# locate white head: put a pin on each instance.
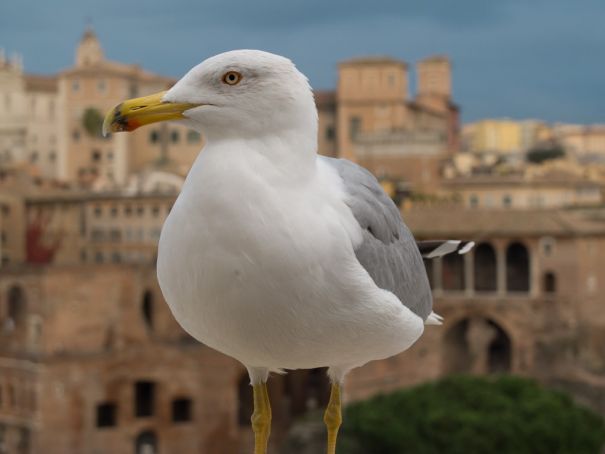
(242, 93)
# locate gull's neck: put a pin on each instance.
(288, 155)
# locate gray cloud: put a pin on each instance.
(518, 58)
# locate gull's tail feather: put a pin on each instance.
(434, 319)
(438, 248)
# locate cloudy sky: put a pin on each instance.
(512, 58)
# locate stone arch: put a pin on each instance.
(146, 443)
(485, 268)
(452, 272)
(147, 309)
(517, 268)
(549, 282)
(477, 345)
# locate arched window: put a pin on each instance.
(453, 272)
(16, 304)
(550, 282)
(485, 268)
(147, 308)
(144, 398)
(146, 443)
(517, 268)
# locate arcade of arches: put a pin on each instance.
(487, 269)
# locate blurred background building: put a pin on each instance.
(91, 360)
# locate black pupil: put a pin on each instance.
(231, 77)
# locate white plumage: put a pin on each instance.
(271, 254)
(256, 258)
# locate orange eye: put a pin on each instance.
(232, 78)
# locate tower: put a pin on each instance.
(371, 94)
(89, 50)
(434, 76)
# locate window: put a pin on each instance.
(140, 210)
(193, 137)
(95, 156)
(550, 282)
(144, 399)
(52, 156)
(98, 211)
(133, 91)
(101, 86)
(354, 126)
(473, 201)
(507, 201)
(453, 272)
(114, 211)
(99, 257)
(517, 268)
(128, 210)
(16, 304)
(174, 136)
(115, 235)
(330, 133)
(116, 257)
(485, 268)
(155, 211)
(34, 156)
(75, 86)
(181, 410)
(110, 155)
(147, 308)
(75, 135)
(97, 235)
(547, 245)
(154, 136)
(106, 415)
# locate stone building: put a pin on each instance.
(52, 123)
(371, 118)
(92, 361)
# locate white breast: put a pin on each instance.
(265, 272)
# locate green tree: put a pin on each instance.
(539, 155)
(472, 415)
(92, 120)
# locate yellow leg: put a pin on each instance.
(333, 417)
(261, 418)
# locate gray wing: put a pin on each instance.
(388, 251)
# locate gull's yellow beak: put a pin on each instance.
(133, 113)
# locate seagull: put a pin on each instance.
(272, 254)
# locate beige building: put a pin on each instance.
(52, 123)
(373, 120)
(504, 136)
(581, 140)
(92, 361)
(521, 192)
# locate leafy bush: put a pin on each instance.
(539, 155)
(92, 120)
(472, 415)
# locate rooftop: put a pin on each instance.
(476, 224)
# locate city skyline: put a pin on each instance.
(510, 60)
